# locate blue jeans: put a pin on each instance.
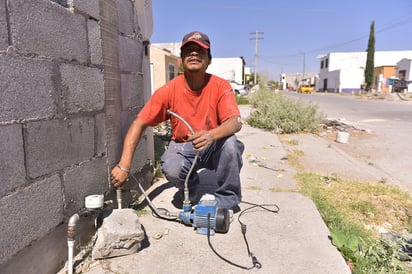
(222, 157)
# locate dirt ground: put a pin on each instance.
(329, 131)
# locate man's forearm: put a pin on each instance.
(227, 128)
(131, 141)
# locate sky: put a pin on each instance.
(292, 34)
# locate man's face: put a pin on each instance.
(195, 58)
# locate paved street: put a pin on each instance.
(389, 123)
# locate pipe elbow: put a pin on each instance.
(74, 219)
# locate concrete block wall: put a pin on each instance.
(72, 78)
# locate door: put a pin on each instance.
(325, 85)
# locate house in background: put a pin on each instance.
(173, 47)
(164, 66)
(344, 71)
(404, 73)
(231, 69)
(382, 76)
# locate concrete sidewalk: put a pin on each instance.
(294, 240)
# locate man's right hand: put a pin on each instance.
(119, 176)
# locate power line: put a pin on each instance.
(383, 29)
(388, 27)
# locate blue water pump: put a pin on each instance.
(206, 216)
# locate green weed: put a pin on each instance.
(277, 112)
(352, 210)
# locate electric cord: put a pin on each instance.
(255, 262)
(257, 265)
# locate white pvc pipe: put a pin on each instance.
(119, 197)
(70, 245)
(71, 228)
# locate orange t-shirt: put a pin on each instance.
(203, 110)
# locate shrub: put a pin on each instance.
(242, 100)
(275, 111)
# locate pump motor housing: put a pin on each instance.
(206, 215)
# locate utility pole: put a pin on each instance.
(304, 66)
(256, 38)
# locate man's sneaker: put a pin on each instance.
(231, 217)
(208, 197)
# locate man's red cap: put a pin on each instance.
(196, 37)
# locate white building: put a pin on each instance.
(232, 69)
(173, 47)
(344, 71)
(404, 72)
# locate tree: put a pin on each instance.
(370, 59)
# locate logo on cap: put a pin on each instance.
(197, 37)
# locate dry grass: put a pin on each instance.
(293, 159)
(377, 207)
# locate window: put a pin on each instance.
(326, 63)
(171, 72)
(321, 64)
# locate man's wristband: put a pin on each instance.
(123, 169)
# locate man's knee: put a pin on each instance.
(172, 170)
(232, 145)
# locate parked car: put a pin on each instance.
(239, 89)
(305, 88)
